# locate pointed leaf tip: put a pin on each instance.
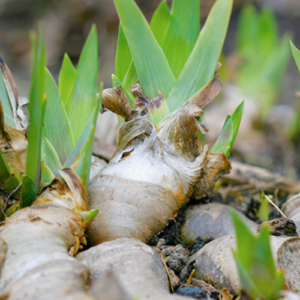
(88, 216)
(82, 100)
(67, 77)
(296, 55)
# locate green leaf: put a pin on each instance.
(12, 182)
(263, 210)
(268, 32)
(263, 270)
(248, 29)
(36, 108)
(4, 97)
(82, 163)
(201, 65)
(246, 241)
(4, 168)
(82, 159)
(82, 100)
(246, 281)
(265, 57)
(229, 131)
(12, 209)
(29, 191)
(159, 113)
(152, 67)
(67, 77)
(296, 55)
(50, 157)
(262, 79)
(10, 179)
(182, 32)
(236, 121)
(125, 69)
(257, 33)
(278, 283)
(123, 55)
(222, 143)
(46, 174)
(160, 21)
(81, 141)
(87, 216)
(129, 79)
(57, 125)
(258, 276)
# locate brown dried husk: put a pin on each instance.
(215, 262)
(41, 242)
(154, 170)
(13, 141)
(13, 144)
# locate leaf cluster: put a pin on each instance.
(61, 119)
(71, 113)
(258, 276)
(170, 55)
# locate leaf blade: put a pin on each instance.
(221, 144)
(36, 109)
(7, 97)
(160, 21)
(296, 55)
(67, 77)
(229, 131)
(82, 100)
(57, 125)
(80, 158)
(29, 191)
(50, 157)
(182, 33)
(123, 55)
(154, 72)
(203, 60)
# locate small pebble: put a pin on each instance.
(194, 292)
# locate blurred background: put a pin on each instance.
(272, 143)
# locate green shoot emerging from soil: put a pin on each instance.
(172, 56)
(259, 278)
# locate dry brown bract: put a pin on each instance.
(154, 170)
(13, 145)
(13, 142)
